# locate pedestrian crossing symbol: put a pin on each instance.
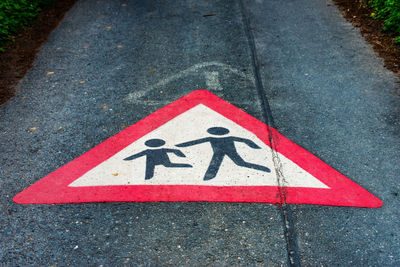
(198, 148)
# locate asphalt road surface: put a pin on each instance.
(296, 65)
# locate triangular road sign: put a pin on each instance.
(199, 148)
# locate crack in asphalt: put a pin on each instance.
(285, 211)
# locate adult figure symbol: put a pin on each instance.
(158, 156)
(224, 146)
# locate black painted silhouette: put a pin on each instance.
(159, 156)
(224, 146)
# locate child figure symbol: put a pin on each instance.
(224, 146)
(158, 156)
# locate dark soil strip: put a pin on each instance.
(285, 211)
(17, 59)
(383, 42)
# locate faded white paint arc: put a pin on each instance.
(193, 125)
(193, 69)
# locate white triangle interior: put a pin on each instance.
(193, 125)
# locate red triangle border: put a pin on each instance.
(54, 187)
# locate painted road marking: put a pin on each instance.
(199, 148)
(212, 78)
(193, 125)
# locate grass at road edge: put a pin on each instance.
(389, 12)
(15, 14)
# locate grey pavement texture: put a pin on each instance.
(115, 64)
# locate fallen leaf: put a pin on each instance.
(115, 174)
(59, 128)
(82, 82)
(152, 70)
(108, 27)
(32, 129)
(50, 73)
(105, 107)
(123, 126)
(124, 4)
(119, 46)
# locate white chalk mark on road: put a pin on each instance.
(212, 80)
(194, 69)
